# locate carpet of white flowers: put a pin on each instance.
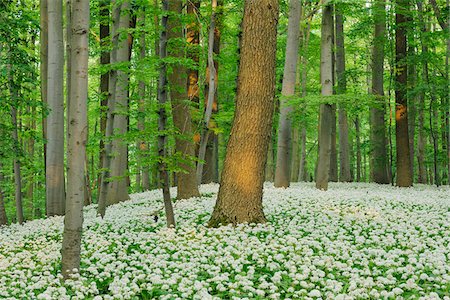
(355, 241)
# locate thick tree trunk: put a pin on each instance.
(186, 179)
(55, 191)
(162, 99)
(326, 111)
(118, 185)
(404, 172)
(344, 155)
(77, 139)
(283, 165)
(240, 193)
(377, 113)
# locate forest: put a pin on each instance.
(242, 149)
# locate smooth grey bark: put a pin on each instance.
(118, 185)
(77, 139)
(377, 114)
(283, 164)
(326, 73)
(162, 99)
(43, 66)
(344, 155)
(55, 183)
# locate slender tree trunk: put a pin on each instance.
(358, 149)
(118, 185)
(55, 120)
(422, 175)
(377, 113)
(43, 42)
(31, 152)
(162, 99)
(77, 139)
(344, 156)
(326, 111)
(186, 179)
(104, 20)
(404, 172)
(283, 166)
(3, 217)
(295, 164)
(269, 169)
(240, 193)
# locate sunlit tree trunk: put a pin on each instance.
(77, 139)
(326, 111)
(344, 156)
(240, 193)
(377, 113)
(283, 165)
(55, 120)
(404, 172)
(118, 185)
(186, 179)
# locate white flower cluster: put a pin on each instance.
(355, 241)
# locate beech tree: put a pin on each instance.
(283, 165)
(76, 138)
(241, 187)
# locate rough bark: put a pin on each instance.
(404, 172)
(162, 99)
(55, 191)
(326, 111)
(344, 155)
(240, 193)
(186, 179)
(77, 139)
(283, 165)
(118, 185)
(377, 113)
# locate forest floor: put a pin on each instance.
(355, 241)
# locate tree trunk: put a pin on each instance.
(326, 111)
(404, 172)
(295, 164)
(240, 193)
(302, 174)
(118, 185)
(358, 150)
(104, 20)
(43, 42)
(77, 139)
(283, 165)
(377, 113)
(55, 119)
(270, 163)
(3, 217)
(186, 180)
(344, 156)
(421, 143)
(162, 99)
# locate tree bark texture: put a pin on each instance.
(404, 172)
(43, 73)
(186, 179)
(240, 193)
(55, 183)
(77, 139)
(283, 165)
(326, 111)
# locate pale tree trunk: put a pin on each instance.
(186, 179)
(118, 185)
(358, 149)
(283, 165)
(3, 217)
(333, 176)
(211, 167)
(344, 155)
(404, 172)
(302, 167)
(240, 193)
(104, 82)
(55, 191)
(43, 73)
(377, 114)
(205, 132)
(326, 111)
(295, 164)
(112, 82)
(77, 139)
(142, 175)
(162, 99)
